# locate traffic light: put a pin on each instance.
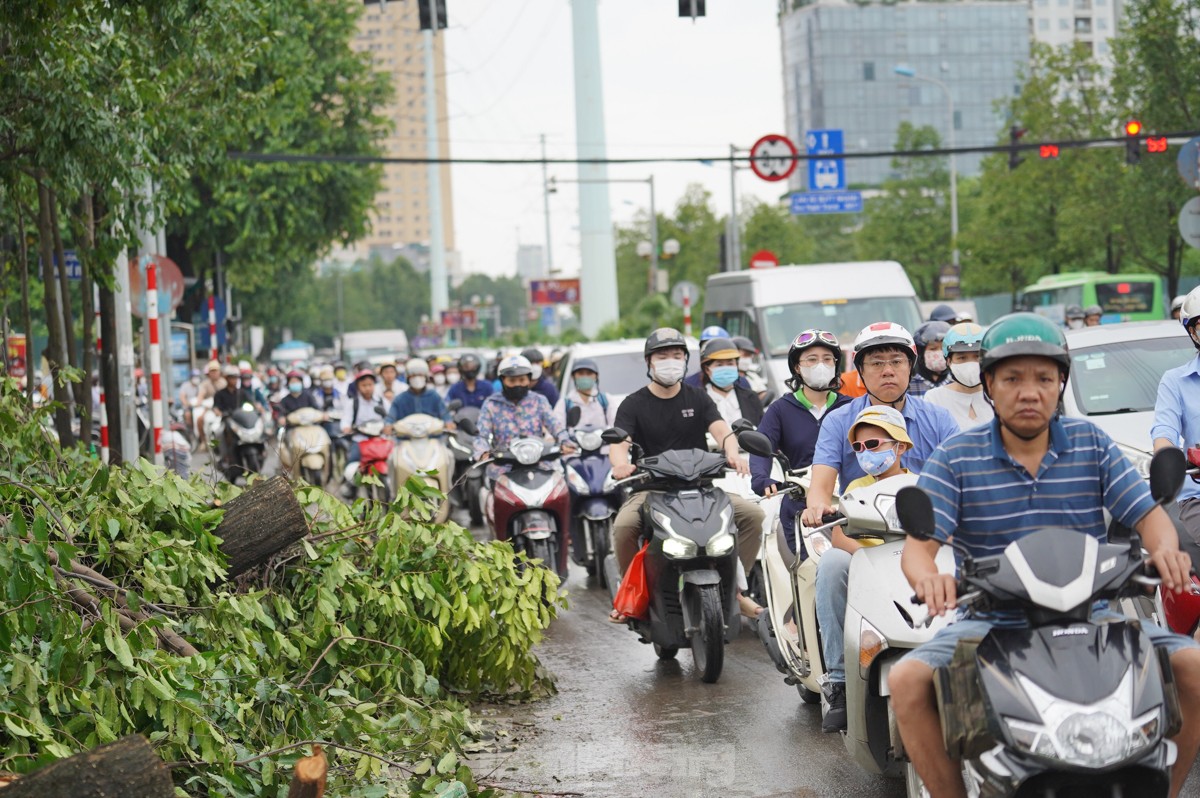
(1014, 139)
(1048, 151)
(1156, 144)
(1133, 147)
(429, 11)
(691, 8)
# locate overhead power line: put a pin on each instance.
(1096, 143)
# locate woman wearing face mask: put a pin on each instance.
(440, 385)
(793, 422)
(963, 395)
(719, 372)
(296, 396)
(931, 363)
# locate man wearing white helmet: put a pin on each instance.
(885, 355)
(420, 397)
(515, 412)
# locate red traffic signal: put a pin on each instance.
(1048, 151)
(1156, 144)
(1133, 127)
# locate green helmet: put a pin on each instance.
(1024, 334)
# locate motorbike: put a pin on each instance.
(250, 440)
(1063, 705)
(420, 452)
(528, 505)
(374, 453)
(692, 558)
(595, 499)
(305, 446)
(789, 585)
(468, 481)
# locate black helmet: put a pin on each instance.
(665, 338)
(743, 343)
(807, 340)
(718, 349)
(585, 364)
(1024, 334)
(468, 364)
(1074, 312)
(931, 332)
(533, 355)
(943, 313)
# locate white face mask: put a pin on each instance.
(935, 361)
(439, 379)
(817, 377)
(1075, 324)
(966, 374)
(416, 382)
(746, 364)
(668, 372)
(537, 373)
(452, 377)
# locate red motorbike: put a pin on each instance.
(529, 506)
(373, 461)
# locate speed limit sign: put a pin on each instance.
(773, 157)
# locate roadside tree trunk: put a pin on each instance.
(260, 523)
(55, 351)
(128, 768)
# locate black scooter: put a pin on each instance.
(468, 480)
(691, 562)
(1064, 706)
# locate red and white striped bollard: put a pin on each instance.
(687, 312)
(103, 419)
(156, 407)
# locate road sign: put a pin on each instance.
(773, 157)
(460, 317)
(691, 288)
(1189, 222)
(764, 259)
(806, 202)
(1188, 163)
(74, 268)
(170, 285)
(553, 292)
(825, 174)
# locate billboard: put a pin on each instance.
(554, 292)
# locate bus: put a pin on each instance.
(1121, 297)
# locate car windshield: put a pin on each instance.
(622, 373)
(842, 317)
(1122, 377)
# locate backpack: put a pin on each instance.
(601, 397)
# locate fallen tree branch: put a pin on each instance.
(337, 640)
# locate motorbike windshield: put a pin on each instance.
(685, 465)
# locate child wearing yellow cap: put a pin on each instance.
(879, 436)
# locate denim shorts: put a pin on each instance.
(938, 652)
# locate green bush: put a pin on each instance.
(371, 636)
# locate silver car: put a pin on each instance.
(1115, 371)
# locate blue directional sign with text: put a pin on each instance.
(825, 174)
(806, 202)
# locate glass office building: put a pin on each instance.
(838, 61)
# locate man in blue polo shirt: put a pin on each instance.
(1177, 420)
(1028, 469)
(885, 355)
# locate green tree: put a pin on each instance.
(507, 292)
(774, 228)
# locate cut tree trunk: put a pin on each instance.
(128, 768)
(308, 778)
(260, 523)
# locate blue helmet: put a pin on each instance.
(713, 331)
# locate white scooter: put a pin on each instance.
(305, 447)
(420, 451)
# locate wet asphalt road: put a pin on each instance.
(623, 723)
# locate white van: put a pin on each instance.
(367, 344)
(772, 306)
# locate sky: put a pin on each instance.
(671, 87)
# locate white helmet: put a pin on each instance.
(514, 366)
(1177, 303)
(884, 333)
(416, 366)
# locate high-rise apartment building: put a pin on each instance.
(400, 220)
(1088, 22)
(838, 62)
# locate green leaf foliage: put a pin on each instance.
(377, 642)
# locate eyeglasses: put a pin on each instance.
(870, 445)
(880, 365)
(814, 360)
(809, 336)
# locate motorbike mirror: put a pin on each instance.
(379, 411)
(573, 415)
(742, 425)
(614, 435)
(468, 426)
(1168, 468)
(755, 442)
(914, 508)
(454, 405)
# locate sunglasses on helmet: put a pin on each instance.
(870, 445)
(819, 336)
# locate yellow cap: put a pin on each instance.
(885, 417)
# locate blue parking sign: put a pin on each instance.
(825, 174)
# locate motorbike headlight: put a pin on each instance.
(578, 483)
(1094, 739)
(590, 441)
(675, 545)
(871, 643)
(527, 451)
(721, 543)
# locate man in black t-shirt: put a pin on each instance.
(668, 415)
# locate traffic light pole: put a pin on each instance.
(439, 291)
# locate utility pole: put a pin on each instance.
(652, 280)
(598, 303)
(734, 253)
(546, 207)
(125, 382)
(439, 292)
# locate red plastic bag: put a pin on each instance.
(633, 596)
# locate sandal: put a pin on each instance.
(749, 607)
(616, 617)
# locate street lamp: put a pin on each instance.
(909, 72)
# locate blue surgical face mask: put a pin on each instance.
(724, 376)
(585, 384)
(876, 463)
(295, 387)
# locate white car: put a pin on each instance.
(1115, 371)
(622, 365)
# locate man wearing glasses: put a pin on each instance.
(884, 354)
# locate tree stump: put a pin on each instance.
(260, 523)
(308, 777)
(129, 768)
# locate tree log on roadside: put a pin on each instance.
(259, 523)
(308, 778)
(128, 768)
